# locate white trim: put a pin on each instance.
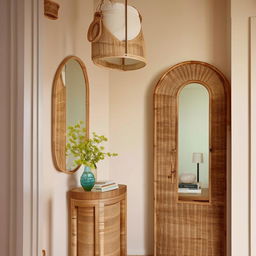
(253, 136)
(31, 184)
(35, 127)
(40, 9)
(24, 185)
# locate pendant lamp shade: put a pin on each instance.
(116, 37)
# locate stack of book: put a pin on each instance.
(103, 186)
(190, 188)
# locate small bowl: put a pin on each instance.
(187, 178)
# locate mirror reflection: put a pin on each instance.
(74, 82)
(193, 139)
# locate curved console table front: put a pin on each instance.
(98, 222)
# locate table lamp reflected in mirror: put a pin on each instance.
(197, 158)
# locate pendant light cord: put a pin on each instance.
(101, 3)
(126, 27)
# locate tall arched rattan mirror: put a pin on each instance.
(191, 223)
(70, 105)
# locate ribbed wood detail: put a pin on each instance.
(59, 121)
(98, 222)
(189, 228)
(85, 231)
(112, 230)
(108, 46)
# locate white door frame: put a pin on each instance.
(24, 104)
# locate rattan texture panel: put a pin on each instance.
(189, 228)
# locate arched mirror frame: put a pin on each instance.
(175, 214)
(58, 104)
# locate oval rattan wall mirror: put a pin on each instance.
(190, 223)
(70, 105)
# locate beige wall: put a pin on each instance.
(121, 105)
(240, 13)
(60, 38)
(253, 135)
(175, 31)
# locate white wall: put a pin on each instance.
(240, 56)
(60, 38)
(175, 31)
(193, 131)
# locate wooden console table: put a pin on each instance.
(98, 222)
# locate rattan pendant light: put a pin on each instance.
(109, 49)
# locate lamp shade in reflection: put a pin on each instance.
(197, 158)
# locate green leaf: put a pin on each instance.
(86, 151)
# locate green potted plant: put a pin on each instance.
(86, 151)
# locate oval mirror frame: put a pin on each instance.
(58, 115)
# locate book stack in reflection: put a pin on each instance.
(190, 188)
